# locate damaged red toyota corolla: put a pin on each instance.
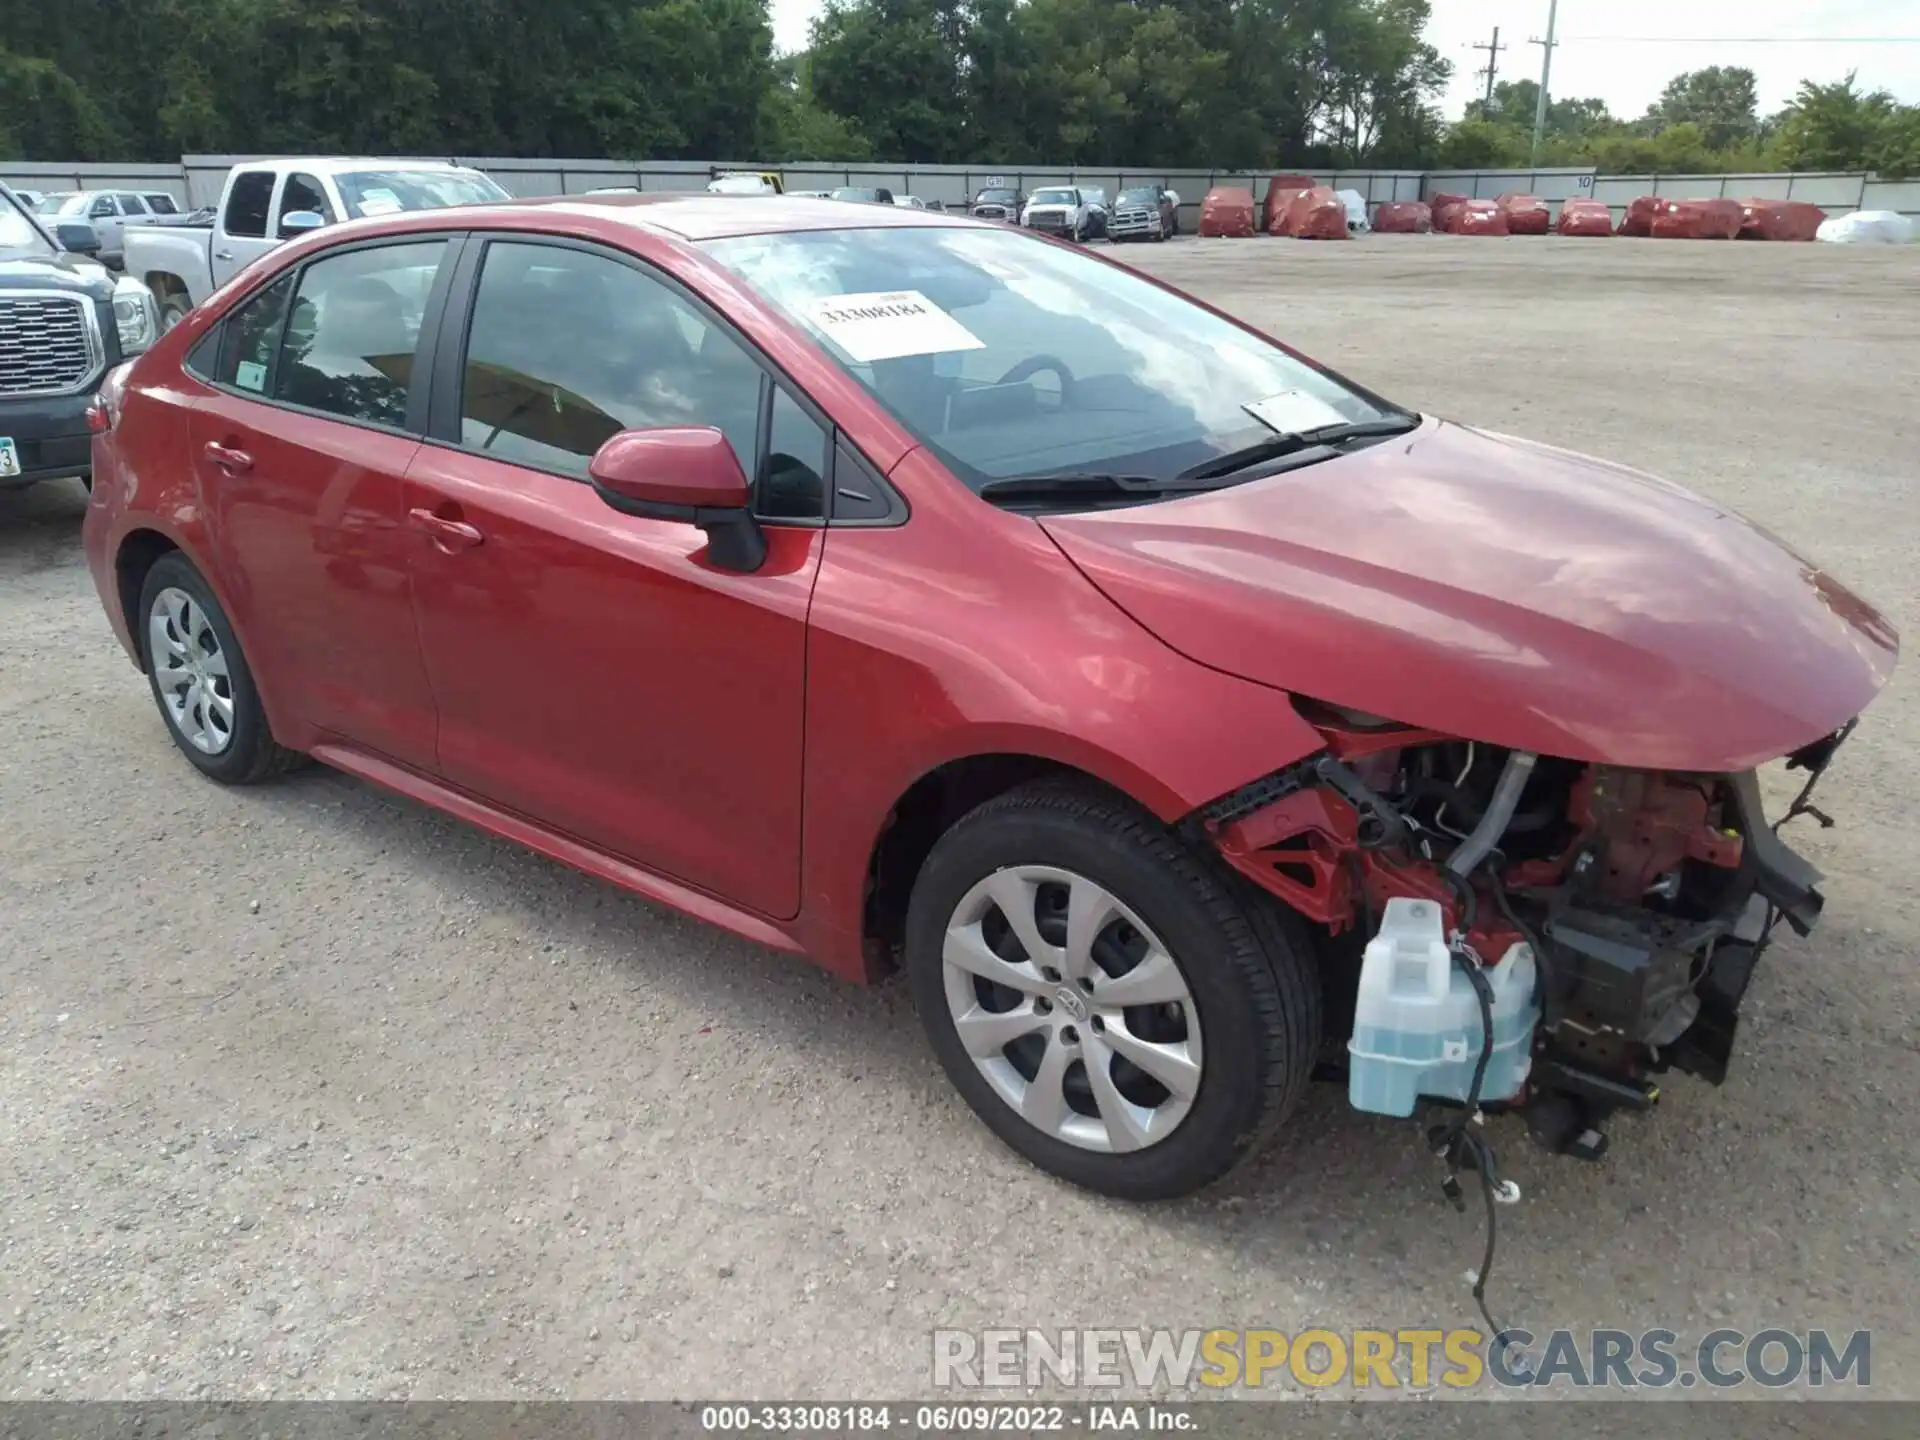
(894, 588)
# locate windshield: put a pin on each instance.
(1008, 356)
(1054, 197)
(17, 232)
(996, 197)
(388, 192)
(1139, 197)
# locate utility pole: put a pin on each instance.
(1492, 66)
(1546, 75)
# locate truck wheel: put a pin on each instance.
(173, 309)
(1107, 1001)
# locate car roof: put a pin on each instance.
(699, 216)
(334, 164)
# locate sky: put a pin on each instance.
(1629, 75)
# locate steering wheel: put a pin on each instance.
(1034, 365)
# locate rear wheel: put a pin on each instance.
(200, 678)
(173, 306)
(1108, 1002)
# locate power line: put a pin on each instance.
(1739, 40)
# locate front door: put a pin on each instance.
(593, 670)
(302, 448)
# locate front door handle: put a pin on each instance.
(228, 458)
(223, 254)
(449, 535)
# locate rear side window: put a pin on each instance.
(247, 203)
(354, 329)
(249, 351)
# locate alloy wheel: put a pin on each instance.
(1072, 1009)
(190, 671)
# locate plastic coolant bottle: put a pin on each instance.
(1417, 1024)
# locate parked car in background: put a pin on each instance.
(909, 202)
(1098, 211)
(833, 576)
(110, 212)
(811, 194)
(997, 202)
(65, 321)
(1062, 210)
(613, 190)
(266, 202)
(1143, 212)
(741, 183)
(863, 194)
(30, 198)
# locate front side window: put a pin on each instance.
(303, 192)
(131, 205)
(102, 208)
(162, 205)
(250, 347)
(353, 330)
(388, 192)
(247, 202)
(568, 348)
(1010, 357)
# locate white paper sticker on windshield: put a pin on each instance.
(250, 375)
(1292, 411)
(380, 202)
(889, 324)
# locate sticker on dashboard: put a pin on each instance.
(889, 325)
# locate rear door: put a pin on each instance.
(242, 235)
(301, 450)
(593, 670)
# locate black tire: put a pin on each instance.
(1247, 964)
(251, 753)
(173, 306)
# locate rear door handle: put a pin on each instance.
(227, 458)
(447, 534)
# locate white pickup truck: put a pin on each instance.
(265, 202)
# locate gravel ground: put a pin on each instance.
(307, 1091)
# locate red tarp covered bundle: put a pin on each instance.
(1442, 203)
(1585, 217)
(1317, 214)
(1403, 217)
(1227, 210)
(1279, 197)
(1779, 219)
(1697, 220)
(1640, 213)
(1526, 214)
(1476, 217)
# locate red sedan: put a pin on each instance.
(898, 589)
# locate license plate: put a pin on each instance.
(9, 456)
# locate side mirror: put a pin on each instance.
(78, 237)
(687, 473)
(299, 222)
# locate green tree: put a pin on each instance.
(1721, 100)
(1832, 127)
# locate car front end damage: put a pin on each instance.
(1646, 898)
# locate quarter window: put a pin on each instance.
(247, 203)
(568, 348)
(791, 486)
(353, 330)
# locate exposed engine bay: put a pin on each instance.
(1645, 898)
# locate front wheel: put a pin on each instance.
(173, 307)
(1105, 999)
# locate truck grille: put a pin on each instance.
(47, 344)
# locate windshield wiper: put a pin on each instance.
(1278, 446)
(1082, 482)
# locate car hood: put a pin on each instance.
(25, 270)
(1502, 591)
